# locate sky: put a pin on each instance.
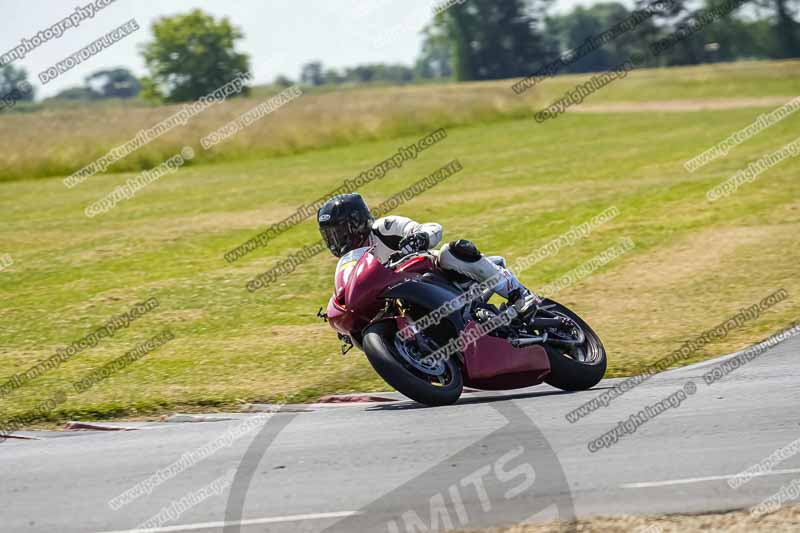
(280, 35)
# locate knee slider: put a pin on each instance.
(465, 251)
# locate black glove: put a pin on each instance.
(415, 242)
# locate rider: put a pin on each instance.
(346, 224)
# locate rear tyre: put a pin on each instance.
(579, 367)
(384, 354)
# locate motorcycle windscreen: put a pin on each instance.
(345, 269)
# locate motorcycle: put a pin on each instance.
(377, 307)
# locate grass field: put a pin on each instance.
(77, 136)
(695, 263)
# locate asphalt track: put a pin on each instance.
(494, 458)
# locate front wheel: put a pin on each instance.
(401, 365)
(574, 367)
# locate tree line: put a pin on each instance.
(499, 39)
(192, 54)
(490, 39)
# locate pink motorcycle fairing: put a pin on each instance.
(490, 363)
(359, 281)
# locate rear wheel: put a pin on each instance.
(578, 366)
(401, 364)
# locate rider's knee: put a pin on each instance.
(497, 260)
(462, 250)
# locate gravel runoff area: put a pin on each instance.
(786, 519)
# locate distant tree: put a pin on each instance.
(13, 79)
(493, 40)
(573, 29)
(331, 76)
(395, 73)
(673, 16)
(311, 74)
(314, 74)
(379, 72)
(434, 60)
(570, 30)
(759, 29)
(78, 94)
(360, 74)
(736, 35)
(735, 38)
(673, 13)
(114, 83)
(761, 39)
(786, 27)
(192, 55)
(282, 81)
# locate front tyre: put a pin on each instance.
(574, 367)
(398, 364)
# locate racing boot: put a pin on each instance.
(519, 297)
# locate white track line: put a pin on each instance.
(251, 522)
(686, 481)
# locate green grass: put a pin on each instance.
(321, 118)
(523, 183)
(747, 79)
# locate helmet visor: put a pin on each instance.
(339, 238)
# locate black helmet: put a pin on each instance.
(344, 222)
